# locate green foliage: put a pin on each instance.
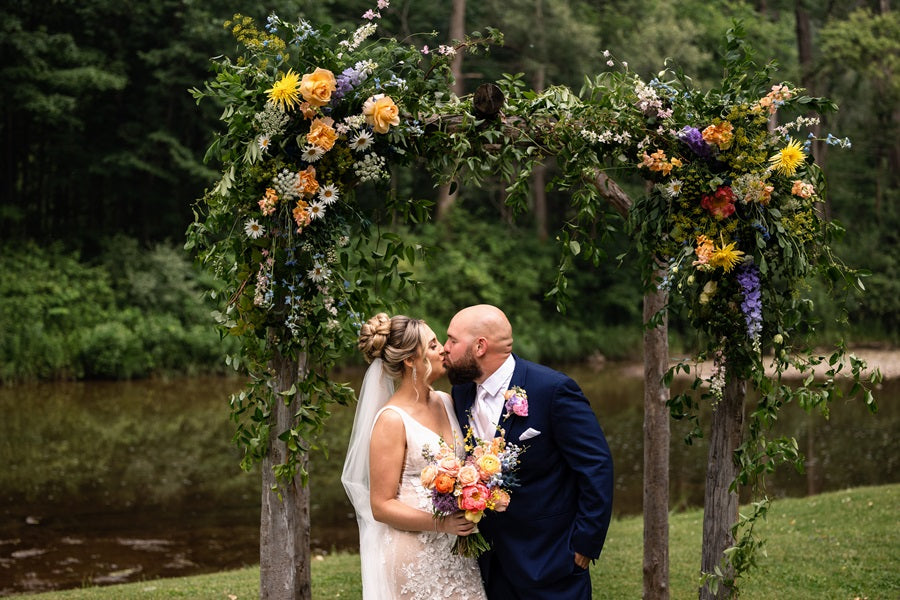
(281, 229)
(130, 314)
(729, 226)
(469, 261)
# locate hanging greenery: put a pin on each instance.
(313, 116)
(731, 226)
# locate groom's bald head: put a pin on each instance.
(479, 339)
(488, 322)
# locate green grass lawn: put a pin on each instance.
(842, 546)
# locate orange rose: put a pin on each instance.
(322, 134)
(443, 483)
(429, 473)
(316, 87)
(381, 112)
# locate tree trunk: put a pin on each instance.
(720, 506)
(539, 83)
(809, 82)
(284, 561)
(446, 199)
(656, 451)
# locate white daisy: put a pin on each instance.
(318, 273)
(253, 229)
(312, 153)
(361, 141)
(328, 194)
(316, 209)
(674, 188)
(264, 141)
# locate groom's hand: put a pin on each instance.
(582, 561)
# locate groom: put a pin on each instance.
(558, 516)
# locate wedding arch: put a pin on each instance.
(316, 120)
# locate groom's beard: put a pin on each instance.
(465, 370)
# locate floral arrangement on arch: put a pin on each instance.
(312, 115)
(736, 203)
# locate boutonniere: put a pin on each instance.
(516, 402)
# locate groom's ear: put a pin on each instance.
(481, 346)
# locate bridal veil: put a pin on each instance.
(377, 388)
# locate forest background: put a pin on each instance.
(103, 147)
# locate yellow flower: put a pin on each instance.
(726, 257)
(317, 86)
(488, 463)
(788, 158)
(381, 112)
(285, 93)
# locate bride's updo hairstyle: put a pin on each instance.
(393, 340)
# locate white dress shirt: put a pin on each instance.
(489, 399)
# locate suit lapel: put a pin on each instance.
(513, 422)
(463, 400)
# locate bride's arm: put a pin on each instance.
(387, 451)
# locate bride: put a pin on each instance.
(404, 550)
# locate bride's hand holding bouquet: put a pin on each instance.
(479, 482)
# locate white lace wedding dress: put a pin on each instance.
(420, 565)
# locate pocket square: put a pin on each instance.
(528, 434)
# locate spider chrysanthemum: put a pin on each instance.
(285, 93)
(788, 159)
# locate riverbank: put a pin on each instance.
(841, 545)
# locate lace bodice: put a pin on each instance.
(421, 566)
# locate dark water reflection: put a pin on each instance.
(112, 482)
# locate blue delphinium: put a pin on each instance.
(748, 278)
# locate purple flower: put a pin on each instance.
(443, 503)
(346, 81)
(694, 140)
(751, 306)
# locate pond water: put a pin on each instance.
(108, 482)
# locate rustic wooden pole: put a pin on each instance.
(284, 561)
(656, 450)
(656, 423)
(720, 506)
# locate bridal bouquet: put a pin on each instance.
(482, 481)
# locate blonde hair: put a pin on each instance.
(393, 340)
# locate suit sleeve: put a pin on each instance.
(584, 448)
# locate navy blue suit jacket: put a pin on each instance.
(563, 504)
